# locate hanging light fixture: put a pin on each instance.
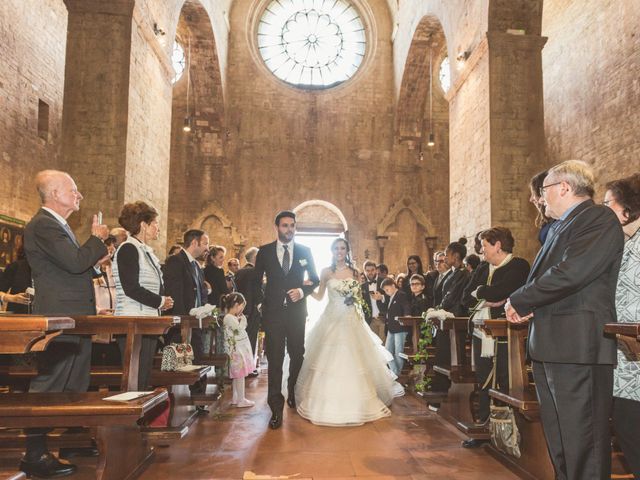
(188, 120)
(431, 141)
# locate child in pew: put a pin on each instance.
(237, 345)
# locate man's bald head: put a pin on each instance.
(58, 192)
(47, 181)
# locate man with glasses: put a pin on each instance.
(569, 297)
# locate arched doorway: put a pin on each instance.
(319, 223)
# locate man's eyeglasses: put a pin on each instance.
(415, 284)
(439, 261)
(544, 187)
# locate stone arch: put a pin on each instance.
(412, 107)
(320, 215)
(405, 230)
(221, 231)
(197, 156)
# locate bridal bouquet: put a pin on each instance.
(352, 293)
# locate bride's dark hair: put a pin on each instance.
(347, 259)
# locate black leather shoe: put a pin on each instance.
(276, 421)
(48, 466)
(291, 401)
(253, 374)
(473, 443)
(68, 452)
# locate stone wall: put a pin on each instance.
(591, 67)
(32, 55)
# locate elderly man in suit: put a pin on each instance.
(568, 297)
(62, 271)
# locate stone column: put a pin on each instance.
(116, 121)
(497, 138)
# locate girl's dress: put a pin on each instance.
(237, 346)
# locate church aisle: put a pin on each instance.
(412, 444)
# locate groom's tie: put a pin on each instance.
(285, 260)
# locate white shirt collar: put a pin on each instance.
(281, 245)
(56, 215)
(191, 259)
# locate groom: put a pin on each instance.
(284, 309)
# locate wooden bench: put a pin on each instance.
(534, 461)
(458, 406)
(183, 411)
(124, 452)
(21, 334)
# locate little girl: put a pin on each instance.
(237, 345)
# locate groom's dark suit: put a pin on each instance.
(284, 320)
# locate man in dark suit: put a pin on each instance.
(62, 271)
(398, 306)
(435, 279)
(374, 296)
(245, 280)
(184, 282)
(284, 308)
(568, 297)
(450, 289)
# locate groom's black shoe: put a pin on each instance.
(276, 421)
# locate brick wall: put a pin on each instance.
(31, 69)
(591, 67)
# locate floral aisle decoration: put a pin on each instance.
(420, 358)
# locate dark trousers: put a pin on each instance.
(626, 425)
(253, 327)
(147, 351)
(443, 358)
(575, 403)
(64, 366)
(483, 366)
(280, 331)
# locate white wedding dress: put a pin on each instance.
(344, 379)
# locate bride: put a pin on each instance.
(344, 379)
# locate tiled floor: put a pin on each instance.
(412, 444)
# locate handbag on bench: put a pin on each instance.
(176, 356)
(503, 428)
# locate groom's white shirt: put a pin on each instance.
(280, 254)
(280, 251)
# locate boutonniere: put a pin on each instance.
(303, 262)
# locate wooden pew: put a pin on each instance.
(534, 461)
(183, 412)
(457, 407)
(124, 452)
(21, 334)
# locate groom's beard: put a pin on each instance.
(284, 239)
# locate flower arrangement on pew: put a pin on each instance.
(420, 358)
(352, 293)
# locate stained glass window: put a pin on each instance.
(178, 60)
(312, 43)
(445, 75)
